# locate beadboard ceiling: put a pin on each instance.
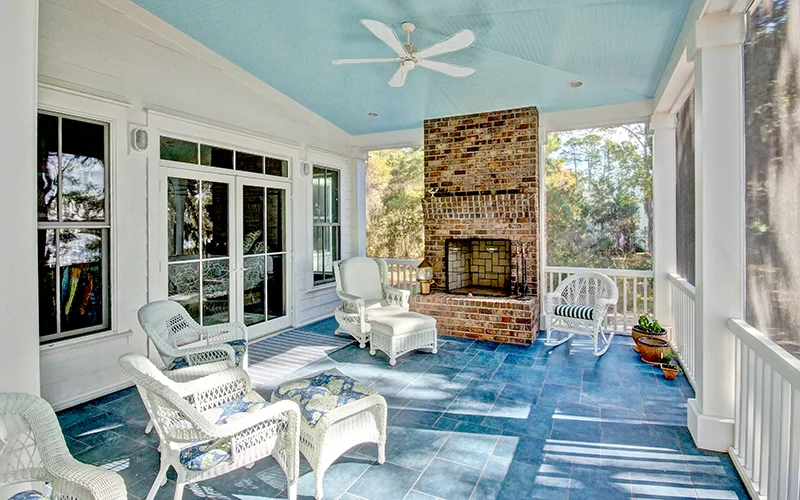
(526, 52)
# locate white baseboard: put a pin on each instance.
(752, 488)
(88, 396)
(710, 432)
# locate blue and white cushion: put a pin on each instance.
(239, 348)
(577, 312)
(204, 456)
(28, 495)
(322, 393)
(232, 410)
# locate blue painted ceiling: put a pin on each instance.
(526, 52)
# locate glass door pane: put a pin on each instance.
(254, 251)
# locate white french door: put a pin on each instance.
(263, 260)
(227, 257)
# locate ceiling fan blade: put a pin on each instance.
(386, 34)
(362, 61)
(446, 68)
(460, 40)
(399, 78)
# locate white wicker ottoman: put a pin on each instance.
(396, 331)
(338, 413)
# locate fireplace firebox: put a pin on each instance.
(478, 267)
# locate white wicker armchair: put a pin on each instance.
(578, 306)
(361, 284)
(32, 450)
(213, 425)
(169, 326)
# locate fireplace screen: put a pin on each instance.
(478, 267)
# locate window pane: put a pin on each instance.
(81, 268)
(47, 162)
(318, 186)
(178, 150)
(335, 248)
(215, 219)
(216, 292)
(249, 162)
(333, 195)
(275, 203)
(47, 282)
(275, 296)
(254, 287)
(273, 166)
(318, 254)
(212, 156)
(253, 209)
(183, 226)
(83, 171)
(772, 160)
(184, 287)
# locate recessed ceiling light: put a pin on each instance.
(372, 114)
(574, 84)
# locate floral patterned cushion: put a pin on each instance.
(204, 456)
(28, 495)
(230, 411)
(322, 393)
(239, 348)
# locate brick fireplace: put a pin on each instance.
(482, 185)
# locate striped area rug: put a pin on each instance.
(275, 358)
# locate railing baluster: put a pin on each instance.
(737, 395)
(794, 448)
(766, 428)
(758, 425)
(625, 302)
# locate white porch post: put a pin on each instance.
(360, 157)
(664, 211)
(19, 335)
(719, 205)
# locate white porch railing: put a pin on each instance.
(403, 274)
(635, 293)
(682, 335)
(766, 448)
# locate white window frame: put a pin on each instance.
(326, 282)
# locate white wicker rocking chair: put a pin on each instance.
(362, 283)
(578, 306)
(33, 450)
(169, 326)
(215, 424)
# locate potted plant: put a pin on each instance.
(647, 327)
(670, 365)
(652, 349)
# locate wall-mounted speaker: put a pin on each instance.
(139, 139)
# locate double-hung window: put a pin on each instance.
(74, 225)
(327, 228)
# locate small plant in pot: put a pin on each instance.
(670, 365)
(647, 327)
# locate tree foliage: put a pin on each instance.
(395, 183)
(600, 197)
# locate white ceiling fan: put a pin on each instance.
(409, 57)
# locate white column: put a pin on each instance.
(719, 205)
(360, 157)
(19, 333)
(664, 211)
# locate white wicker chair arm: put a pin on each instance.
(286, 408)
(351, 303)
(225, 332)
(215, 381)
(201, 355)
(395, 296)
(553, 299)
(350, 409)
(73, 479)
(195, 372)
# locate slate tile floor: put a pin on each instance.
(477, 421)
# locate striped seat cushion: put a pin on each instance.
(577, 312)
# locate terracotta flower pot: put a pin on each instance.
(652, 349)
(670, 371)
(637, 334)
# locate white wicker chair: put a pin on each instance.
(207, 427)
(363, 283)
(578, 306)
(169, 326)
(32, 450)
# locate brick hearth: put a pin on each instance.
(481, 176)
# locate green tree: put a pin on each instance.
(395, 182)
